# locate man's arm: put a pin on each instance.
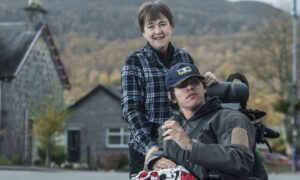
(233, 153)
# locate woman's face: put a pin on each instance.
(158, 33)
(237, 81)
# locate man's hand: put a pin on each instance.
(163, 163)
(210, 78)
(175, 132)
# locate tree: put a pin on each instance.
(270, 56)
(269, 60)
(49, 121)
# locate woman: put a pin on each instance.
(144, 101)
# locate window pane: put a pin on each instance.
(114, 140)
(126, 139)
(114, 129)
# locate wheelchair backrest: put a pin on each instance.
(231, 93)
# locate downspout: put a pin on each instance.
(0, 107)
(0, 116)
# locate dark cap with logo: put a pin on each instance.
(179, 73)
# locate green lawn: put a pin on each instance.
(272, 168)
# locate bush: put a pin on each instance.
(38, 162)
(80, 166)
(16, 160)
(66, 165)
(4, 161)
(76, 166)
(112, 160)
(58, 155)
(279, 145)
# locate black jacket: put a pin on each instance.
(211, 129)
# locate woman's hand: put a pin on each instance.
(175, 132)
(163, 163)
(210, 78)
(150, 151)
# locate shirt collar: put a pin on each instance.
(165, 58)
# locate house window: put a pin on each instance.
(116, 138)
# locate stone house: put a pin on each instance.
(30, 69)
(96, 127)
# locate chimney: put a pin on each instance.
(36, 13)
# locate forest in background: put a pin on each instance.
(94, 38)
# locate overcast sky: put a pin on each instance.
(282, 4)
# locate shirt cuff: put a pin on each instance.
(149, 146)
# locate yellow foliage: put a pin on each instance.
(49, 119)
(221, 55)
(93, 77)
(115, 77)
(104, 78)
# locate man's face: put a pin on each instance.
(158, 33)
(189, 95)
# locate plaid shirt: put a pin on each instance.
(144, 101)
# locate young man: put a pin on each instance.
(202, 136)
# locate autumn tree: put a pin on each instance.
(269, 60)
(49, 121)
(270, 56)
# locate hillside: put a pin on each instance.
(95, 36)
(111, 19)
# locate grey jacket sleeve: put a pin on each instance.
(233, 151)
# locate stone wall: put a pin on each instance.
(36, 78)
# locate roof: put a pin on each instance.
(16, 43)
(112, 92)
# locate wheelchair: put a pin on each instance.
(231, 95)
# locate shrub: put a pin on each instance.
(66, 165)
(58, 155)
(38, 162)
(4, 161)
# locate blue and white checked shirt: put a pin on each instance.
(144, 101)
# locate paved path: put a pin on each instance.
(91, 175)
(61, 175)
(284, 176)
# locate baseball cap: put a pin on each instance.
(179, 73)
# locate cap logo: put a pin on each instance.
(184, 70)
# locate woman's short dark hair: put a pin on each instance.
(239, 76)
(243, 79)
(152, 11)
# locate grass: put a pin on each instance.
(276, 168)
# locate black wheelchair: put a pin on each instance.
(231, 96)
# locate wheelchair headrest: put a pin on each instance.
(229, 92)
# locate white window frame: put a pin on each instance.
(122, 134)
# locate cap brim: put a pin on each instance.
(185, 78)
